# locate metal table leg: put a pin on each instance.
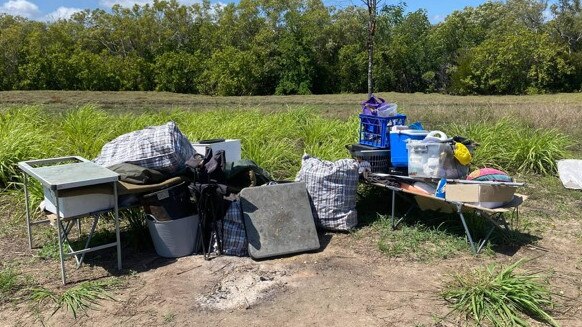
(117, 225)
(27, 202)
(395, 222)
(393, 208)
(60, 231)
(485, 239)
(460, 212)
(91, 232)
(476, 247)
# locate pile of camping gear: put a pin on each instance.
(422, 161)
(202, 197)
(207, 199)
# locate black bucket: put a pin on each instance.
(170, 203)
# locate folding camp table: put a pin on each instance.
(430, 202)
(64, 174)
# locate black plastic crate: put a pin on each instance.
(379, 159)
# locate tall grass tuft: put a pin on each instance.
(513, 146)
(77, 299)
(84, 131)
(500, 297)
(24, 133)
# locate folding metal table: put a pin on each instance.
(69, 173)
(495, 216)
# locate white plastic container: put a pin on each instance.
(85, 202)
(231, 147)
(427, 159)
(388, 110)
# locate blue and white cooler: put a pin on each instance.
(398, 141)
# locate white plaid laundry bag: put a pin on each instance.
(332, 188)
(163, 148)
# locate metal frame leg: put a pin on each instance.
(467, 230)
(393, 208)
(27, 202)
(475, 247)
(482, 243)
(395, 222)
(117, 237)
(59, 235)
(93, 226)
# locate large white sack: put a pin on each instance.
(163, 148)
(570, 172)
(332, 187)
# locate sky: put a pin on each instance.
(49, 10)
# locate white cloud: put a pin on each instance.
(61, 13)
(20, 8)
(130, 3)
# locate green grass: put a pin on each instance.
(8, 283)
(49, 251)
(275, 141)
(77, 299)
(499, 296)
(418, 242)
(22, 136)
(514, 146)
(169, 318)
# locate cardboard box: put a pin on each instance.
(479, 193)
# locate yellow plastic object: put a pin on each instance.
(462, 154)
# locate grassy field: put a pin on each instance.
(522, 134)
(562, 111)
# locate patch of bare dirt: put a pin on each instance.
(348, 283)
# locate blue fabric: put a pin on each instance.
(234, 238)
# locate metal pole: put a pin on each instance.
(485, 239)
(26, 201)
(79, 226)
(59, 231)
(93, 226)
(117, 225)
(459, 211)
(393, 204)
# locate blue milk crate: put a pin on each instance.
(375, 131)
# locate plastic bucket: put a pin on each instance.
(169, 203)
(174, 238)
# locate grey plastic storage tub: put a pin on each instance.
(170, 203)
(174, 238)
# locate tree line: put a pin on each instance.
(264, 47)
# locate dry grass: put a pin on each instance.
(563, 111)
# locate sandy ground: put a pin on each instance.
(348, 283)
